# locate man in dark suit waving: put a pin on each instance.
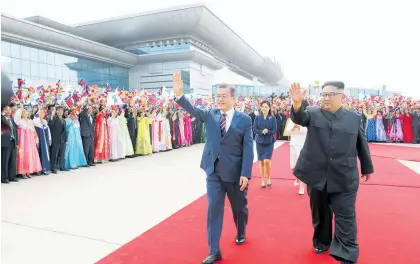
(227, 160)
(328, 165)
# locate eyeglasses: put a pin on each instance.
(325, 95)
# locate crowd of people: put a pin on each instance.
(52, 138)
(59, 135)
(395, 119)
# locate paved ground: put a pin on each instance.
(83, 215)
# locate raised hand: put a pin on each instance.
(177, 84)
(297, 94)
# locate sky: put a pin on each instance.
(363, 43)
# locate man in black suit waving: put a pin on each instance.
(57, 126)
(87, 132)
(328, 165)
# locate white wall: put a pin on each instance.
(155, 74)
(201, 79)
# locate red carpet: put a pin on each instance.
(279, 229)
(388, 172)
(395, 152)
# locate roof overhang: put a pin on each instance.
(36, 35)
(196, 21)
(188, 55)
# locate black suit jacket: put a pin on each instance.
(131, 123)
(86, 126)
(329, 155)
(57, 129)
(6, 134)
(416, 120)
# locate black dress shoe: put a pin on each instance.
(240, 240)
(320, 250)
(212, 259)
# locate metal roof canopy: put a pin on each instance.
(36, 35)
(194, 20)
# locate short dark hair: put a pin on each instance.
(230, 87)
(58, 107)
(12, 104)
(337, 84)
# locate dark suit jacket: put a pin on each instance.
(58, 130)
(86, 126)
(260, 124)
(234, 151)
(6, 135)
(416, 120)
(329, 155)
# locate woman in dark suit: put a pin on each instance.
(265, 127)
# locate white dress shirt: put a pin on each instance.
(229, 114)
(229, 117)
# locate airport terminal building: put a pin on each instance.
(132, 52)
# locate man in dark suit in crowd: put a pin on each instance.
(87, 127)
(57, 126)
(8, 147)
(416, 125)
(227, 160)
(328, 165)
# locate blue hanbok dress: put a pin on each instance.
(44, 136)
(74, 155)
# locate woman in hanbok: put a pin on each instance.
(143, 145)
(396, 134)
(116, 142)
(44, 139)
(129, 150)
(380, 130)
(174, 129)
(297, 139)
(101, 148)
(407, 126)
(166, 130)
(187, 129)
(181, 125)
(28, 161)
(157, 133)
(74, 156)
(370, 129)
(388, 124)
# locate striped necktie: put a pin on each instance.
(223, 125)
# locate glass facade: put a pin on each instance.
(156, 49)
(255, 91)
(39, 67)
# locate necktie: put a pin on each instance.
(223, 125)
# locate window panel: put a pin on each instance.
(34, 69)
(15, 48)
(26, 67)
(34, 54)
(43, 70)
(25, 53)
(58, 72)
(42, 56)
(50, 58)
(50, 72)
(16, 66)
(5, 49)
